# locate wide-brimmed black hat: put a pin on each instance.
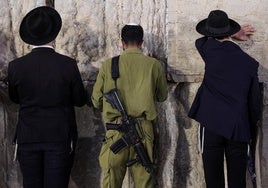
(40, 26)
(217, 25)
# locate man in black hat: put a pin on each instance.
(47, 86)
(227, 104)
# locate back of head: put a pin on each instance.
(132, 34)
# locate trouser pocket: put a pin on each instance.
(105, 148)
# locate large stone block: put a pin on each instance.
(9, 169)
(182, 17)
(178, 158)
(263, 145)
(91, 29)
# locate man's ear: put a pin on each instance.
(141, 43)
(123, 44)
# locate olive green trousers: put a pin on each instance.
(114, 165)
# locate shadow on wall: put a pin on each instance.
(85, 48)
(83, 44)
(184, 158)
(9, 174)
(154, 45)
(262, 137)
(50, 3)
(86, 170)
(7, 53)
(172, 147)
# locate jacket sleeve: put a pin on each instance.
(79, 94)
(161, 84)
(97, 94)
(199, 46)
(12, 88)
(196, 103)
(254, 100)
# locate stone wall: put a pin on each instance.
(263, 142)
(182, 19)
(91, 33)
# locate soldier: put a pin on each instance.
(141, 83)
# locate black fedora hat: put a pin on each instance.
(217, 25)
(40, 26)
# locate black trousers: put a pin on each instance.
(45, 165)
(214, 149)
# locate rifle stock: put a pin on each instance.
(112, 98)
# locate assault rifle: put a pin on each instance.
(131, 136)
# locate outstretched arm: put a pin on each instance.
(244, 33)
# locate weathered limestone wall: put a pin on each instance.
(91, 33)
(182, 19)
(91, 30)
(263, 145)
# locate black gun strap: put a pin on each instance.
(112, 126)
(115, 68)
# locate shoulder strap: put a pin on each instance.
(115, 68)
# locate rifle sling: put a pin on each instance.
(115, 68)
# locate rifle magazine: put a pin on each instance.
(118, 145)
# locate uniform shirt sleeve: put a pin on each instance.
(12, 88)
(161, 84)
(97, 94)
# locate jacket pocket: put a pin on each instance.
(105, 148)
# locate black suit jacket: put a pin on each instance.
(47, 85)
(228, 100)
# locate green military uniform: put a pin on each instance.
(141, 82)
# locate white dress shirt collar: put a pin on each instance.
(43, 46)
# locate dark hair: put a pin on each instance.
(220, 37)
(132, 34)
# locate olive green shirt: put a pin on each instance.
(141, 83)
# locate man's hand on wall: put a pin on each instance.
(244, 33)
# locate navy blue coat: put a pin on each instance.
(228, 100)
(47, 85)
